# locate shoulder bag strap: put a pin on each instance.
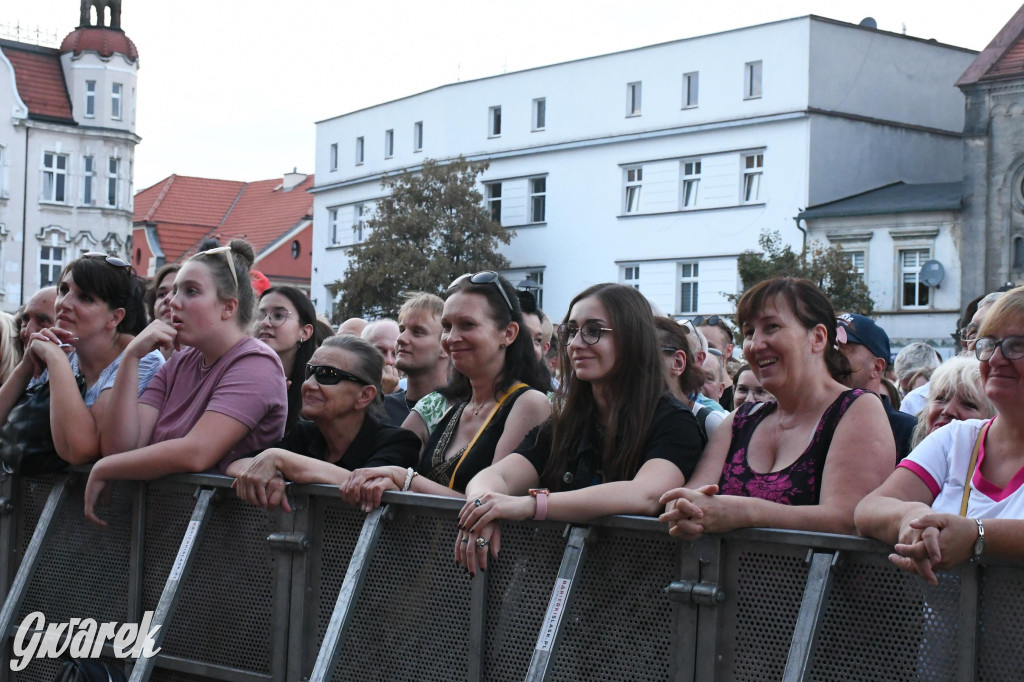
(971, 467)
(483, 427)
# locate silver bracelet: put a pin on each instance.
(410, 474)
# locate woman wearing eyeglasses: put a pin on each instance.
(495, 394)
(342, 399)
(959, 494)
(286, 321)
(212, 403)
(616, 440)
(98, 310)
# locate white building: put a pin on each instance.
(66, 150)
(658, 166)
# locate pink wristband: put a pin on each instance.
(541, 495)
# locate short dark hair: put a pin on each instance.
(673, 334)
(307, 315)
(117, 286)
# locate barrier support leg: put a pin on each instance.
(477, 626)
(561, 601)
(970, 574)
(348, 596)
(175, 579)
(44, 528)
(808, 621)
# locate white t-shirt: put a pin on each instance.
(915, 401)
(713, 419)
(941, 461)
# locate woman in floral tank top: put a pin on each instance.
(805, 461)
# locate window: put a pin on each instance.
(1018, 251)
(51, 262)
(115, 101)
(752, 80)
(334, 156)
(296, 249)
(359, 151)
(494, 122)
(359, 226)
(540, 113)
(389, 143)
(633, 93)
(538, 199)
(691, 179)
(90, 99)
(332, 225)
(690, 89)
(55, 175)
(3, 172)
(857, 261)
(914, 292)
(417, 136)
(113, 167)
(528, 280)
(688, 287)
(493, 200)
(753, 168)
(631, 276)
(88, 181)
(634, 183)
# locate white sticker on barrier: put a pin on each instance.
(183, 551)
(555, 607)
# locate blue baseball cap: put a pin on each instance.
(863, 330)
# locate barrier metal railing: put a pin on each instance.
(328, 592)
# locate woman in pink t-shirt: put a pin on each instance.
(215, 401)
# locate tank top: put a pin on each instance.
(800, 482)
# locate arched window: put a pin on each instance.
(296, 249)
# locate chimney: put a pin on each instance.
(292, 180)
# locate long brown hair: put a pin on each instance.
(636, 381)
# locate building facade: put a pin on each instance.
(658, 166)
(66, 150)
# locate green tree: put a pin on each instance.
(430, 228)
(826, 266)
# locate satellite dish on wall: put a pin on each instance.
(932, 273)
(868, 22)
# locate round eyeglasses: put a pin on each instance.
(1012, 347)
(589, 331)
(275, 317)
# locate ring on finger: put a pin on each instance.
(477, 502)
(481, 544)
(465, 540)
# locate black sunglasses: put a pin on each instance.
(111, 260)
(700, 321)
(484, 277)
(329, 376)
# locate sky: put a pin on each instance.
(232, 90)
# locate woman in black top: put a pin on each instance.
(495, 393)
(341, 398)
(615, 443)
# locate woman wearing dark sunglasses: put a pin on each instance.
(960, 493)
(211, 403)
(98, 311)
(495, 394)
(341, 398)
(616, 440)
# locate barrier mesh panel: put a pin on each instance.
(225, 610)
(32, 494)
(620, 624)
(169, 676)
(46, 670)
(763, 586)
(519, 588)
(412, 619)
(335, 531)
(1001, 631)
(883, 624)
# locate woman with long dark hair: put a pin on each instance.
(98, 311)
(616, 441)
(286, 321)
(805, 461)
(496, 394)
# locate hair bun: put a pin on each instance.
(242, 248)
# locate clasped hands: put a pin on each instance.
(690, 513)
(933, 541)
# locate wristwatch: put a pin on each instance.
(979, 544)
(541, 495)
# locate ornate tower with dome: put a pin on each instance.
(67, 150)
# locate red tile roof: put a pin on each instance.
(186, 210)
(105, 41)
(1004, 56)
(39, 78)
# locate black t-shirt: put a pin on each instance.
(674, 435)
(396, 407)
(902, 425)
(376, 444)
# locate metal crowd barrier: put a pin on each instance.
(330, 593)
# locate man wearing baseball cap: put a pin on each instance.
(866, 346)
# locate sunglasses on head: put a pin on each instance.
(329, 376)
(111, 260)
(226, 250)
(483, 277)
(701, 321)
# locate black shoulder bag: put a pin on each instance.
(26, 441)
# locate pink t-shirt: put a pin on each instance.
(247, 383)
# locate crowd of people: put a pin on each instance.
(474, 393)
